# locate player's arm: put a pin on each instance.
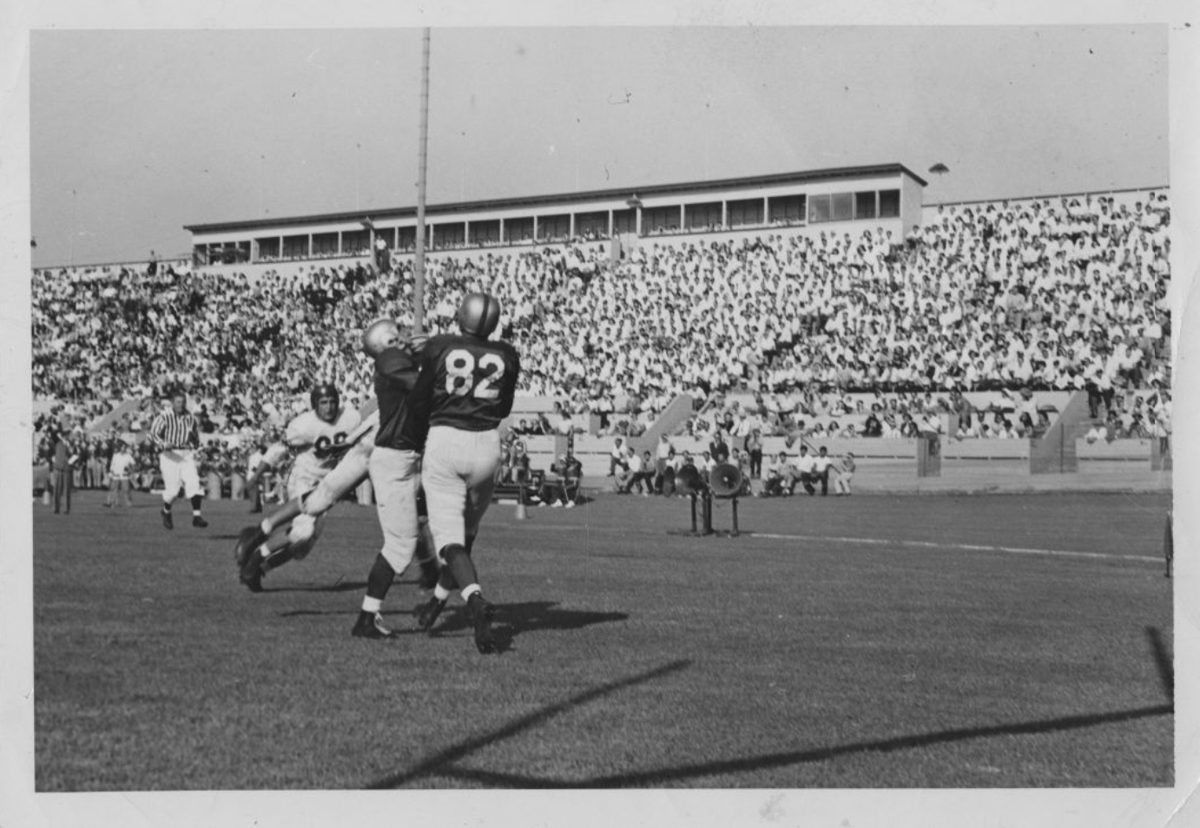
(273, 456)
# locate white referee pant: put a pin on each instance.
(459, 474)
(178, 467)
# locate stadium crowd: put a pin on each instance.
(1055, 294)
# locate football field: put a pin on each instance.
(1007, 641)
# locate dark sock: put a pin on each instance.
(196, 499)
(459, 564)
(379, 581)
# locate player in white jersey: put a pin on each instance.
(350, 471)
(318, 439)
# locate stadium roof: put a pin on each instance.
(450, 208)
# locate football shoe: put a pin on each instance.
(481, 613)
(428, 613)
(370, 625)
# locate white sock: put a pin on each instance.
(372, 604)
(470, 590)
(266, 526)
(441, 593)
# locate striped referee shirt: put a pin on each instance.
(175, 431)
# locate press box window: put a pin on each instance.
(889, 203)
(864, 205)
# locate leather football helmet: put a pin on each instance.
(381, 335)
(478, 315)
(326, 389)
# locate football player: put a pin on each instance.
(351, 470)
(395, 466)
(317, 438)
(466, 385)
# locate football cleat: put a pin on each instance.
(252, 580)
(370, 625)
(428, 613)
(481, 613)
(199, 522)
(250, 573)
(249, 540)
(168, 522)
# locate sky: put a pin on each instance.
(135, 134)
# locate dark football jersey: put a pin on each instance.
(467, 382)
(402, 424)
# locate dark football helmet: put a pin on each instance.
(478, 315)
(323, 391)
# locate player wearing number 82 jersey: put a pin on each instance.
(466, 388)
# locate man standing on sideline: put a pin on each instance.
(119, 468)
(617, 457)
(176, 435)
(466, 385)
(63, 465)
(395, 467)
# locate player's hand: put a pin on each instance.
(331, 451)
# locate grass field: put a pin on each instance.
(887, 642)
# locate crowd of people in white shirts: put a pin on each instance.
(1055, 294)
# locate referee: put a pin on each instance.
(176, 435)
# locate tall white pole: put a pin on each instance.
(422, 147)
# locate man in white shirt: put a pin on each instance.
(629, 474)
(617, 456)
(821, 465)
(804, 472)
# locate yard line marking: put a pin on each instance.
(974, 547)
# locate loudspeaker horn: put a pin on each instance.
(725, 480)
(688, 481)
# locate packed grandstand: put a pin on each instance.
(799, 323)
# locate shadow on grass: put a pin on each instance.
(442, 764)
(513, 619)
(1162, 660)
(439, 764)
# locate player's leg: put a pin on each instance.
(299, 539)
(190, 476)
(453, 457)
(169, 468)
(395, 477)
(480, 482)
